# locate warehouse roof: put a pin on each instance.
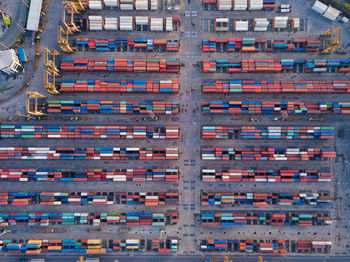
(5, 59)
(34, 15)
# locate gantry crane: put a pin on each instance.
(51, 64)
(334, 43)
(50, 86)
(32, 108)
(62, 40)
(72, 8)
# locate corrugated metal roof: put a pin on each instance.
(34, 15)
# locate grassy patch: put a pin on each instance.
(6, 88)
(344, 7)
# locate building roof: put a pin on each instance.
(34, 15)
(6, 58)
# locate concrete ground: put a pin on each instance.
(190, 120)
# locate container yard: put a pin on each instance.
(177, 130)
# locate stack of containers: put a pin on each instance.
(169, 24)
(266, 199)
(295, 23)
(256, 4)
(264, 175)
(241, 25)
(157, 24)
(280, 154)
(95, 5)
(111, 4)
(280, 22)
(95, 22)
(224, 4)
(126, 4)
(141, 4)
(260, 24)
(126, 23)
(154, 4)
(111, 23)
(240, 5)
(63, 175)
(141, 21)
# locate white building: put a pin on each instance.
(9, 62)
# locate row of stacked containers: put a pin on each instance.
(80, 175)
(255, 45)
(88, 246)
(262, 199)
(265, 246)
(241, 5)
(89, 198)
(275, 66)
(96, 219)
(265, 218)
(90, 153)
(125, 44)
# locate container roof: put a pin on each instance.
(34, 15)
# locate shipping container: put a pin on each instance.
(239, 5)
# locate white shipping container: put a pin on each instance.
(95, 5)
(157, 24)
(141, 4)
